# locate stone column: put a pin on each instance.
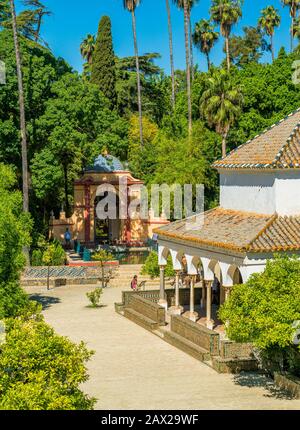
(209, 321)
(227, 292)
(177, 309)
(203, 297)
(191, 314)
(192, 295)
(162, 301)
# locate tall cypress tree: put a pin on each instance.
(103, 62)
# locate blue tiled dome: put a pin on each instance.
(106, 164)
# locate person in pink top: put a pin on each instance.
(134, 283)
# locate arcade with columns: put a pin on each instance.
(202, 268)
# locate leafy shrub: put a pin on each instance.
(151, 266)
(263, 311)
(54, 255)
(37, 257)
(95, 297)
(49, 254)
(40, 369)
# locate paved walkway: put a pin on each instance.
(133, 369)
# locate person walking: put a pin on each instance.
(68, 238)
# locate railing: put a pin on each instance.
(154, 296)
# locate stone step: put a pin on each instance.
(234, 365)
(140, 319)
(187, 346)
(159, 333)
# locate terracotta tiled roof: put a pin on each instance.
(238, 231)
(277, 147)
(283, 234)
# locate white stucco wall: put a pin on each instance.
(263, 192)
(288, 193)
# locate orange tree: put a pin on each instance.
(266, 311)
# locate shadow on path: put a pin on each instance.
(251, 379)
(45, 301)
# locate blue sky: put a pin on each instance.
(73, 19)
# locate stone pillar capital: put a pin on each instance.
(227, 291)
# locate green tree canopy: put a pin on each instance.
(247, 48)
(40, 370)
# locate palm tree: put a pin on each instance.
(205, 37)
(269, 20)
(131, 5)
(87, 48)
(171, 52)
(185, 5)
(21, 107)
(190, 5)
(294, 6)
(221, 104)
(296, 28)
(226, 13)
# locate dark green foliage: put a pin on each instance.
(15, 229)
(40, 70)
(269, 95)
(247, 48)
(103, 72)
(155, 84)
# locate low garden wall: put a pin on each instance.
(288, 382)
(196, 333)
(147, 308)
(230, 349)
